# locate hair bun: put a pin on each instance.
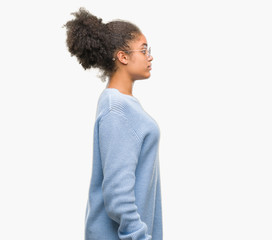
(86, 38)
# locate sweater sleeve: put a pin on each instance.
(119, 149)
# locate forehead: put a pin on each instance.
(140, 42)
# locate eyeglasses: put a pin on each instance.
(144, 51)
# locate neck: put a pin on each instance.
(122, 82)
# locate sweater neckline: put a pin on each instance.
(123, 94)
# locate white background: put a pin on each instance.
(210, 93)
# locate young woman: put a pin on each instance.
(124, 199)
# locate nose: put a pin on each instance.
(150, 58)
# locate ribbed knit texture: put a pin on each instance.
(124, 199)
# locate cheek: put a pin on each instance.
(143, 69)
(140, 71)
(143, 65)
(139, 67)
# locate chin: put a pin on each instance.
(144, 76)
(148, 74)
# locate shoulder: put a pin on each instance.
(112, 101)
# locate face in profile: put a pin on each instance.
(139, 61)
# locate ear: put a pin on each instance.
(122, 57)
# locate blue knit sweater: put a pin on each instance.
(124, 199)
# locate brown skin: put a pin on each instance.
(130, 67)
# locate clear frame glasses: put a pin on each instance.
(146, 51)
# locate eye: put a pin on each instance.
(144, 51)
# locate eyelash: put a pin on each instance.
(144, 51)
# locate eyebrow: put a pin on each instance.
(144, 44)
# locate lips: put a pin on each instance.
(149, 67)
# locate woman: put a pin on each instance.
(125, 191)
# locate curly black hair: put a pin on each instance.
(95, 43)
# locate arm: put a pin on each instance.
(120, 148)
